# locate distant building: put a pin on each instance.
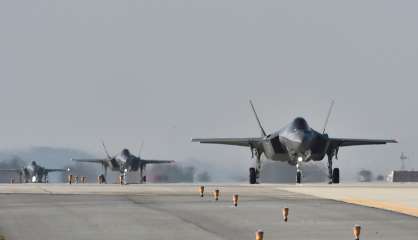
(403, 176)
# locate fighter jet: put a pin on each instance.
(124, 162)
(296, 143)
(34, 173)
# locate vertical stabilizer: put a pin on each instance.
(263, 133)
(328, 115)
(140, 149)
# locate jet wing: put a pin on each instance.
(91, 160)
(245, 142)
(345, 142)
(152, 161)
(9, 170)
(56, 170)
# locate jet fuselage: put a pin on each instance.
(295, 142)
(125, 160)
(33, 173)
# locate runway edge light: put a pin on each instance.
(259, 235)
(356, 231)
(202, 190)
(216, 194)
(285, 213)
(235, 200)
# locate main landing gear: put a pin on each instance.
(253, 177)
(102, 178)
(333, 174)
(142, 177)
(255, 172)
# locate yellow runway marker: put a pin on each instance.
(216, 194)
(384, 205)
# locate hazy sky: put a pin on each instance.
(75, 72)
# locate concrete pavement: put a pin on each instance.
(175, 211)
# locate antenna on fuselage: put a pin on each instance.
(263, 133)
(328, 115)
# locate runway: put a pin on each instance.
(176, 211)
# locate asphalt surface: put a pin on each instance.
(178, 212)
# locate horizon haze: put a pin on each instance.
(74, 73)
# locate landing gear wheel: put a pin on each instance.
(298, 177)
(253, 177)
(336, 175)
(102, 179)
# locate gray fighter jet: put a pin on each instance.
(296, 144)
(33, 173)
(124, 162)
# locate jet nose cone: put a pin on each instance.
(296, 137)
(303, 140)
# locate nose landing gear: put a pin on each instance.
(298, 177)
(298, 174)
